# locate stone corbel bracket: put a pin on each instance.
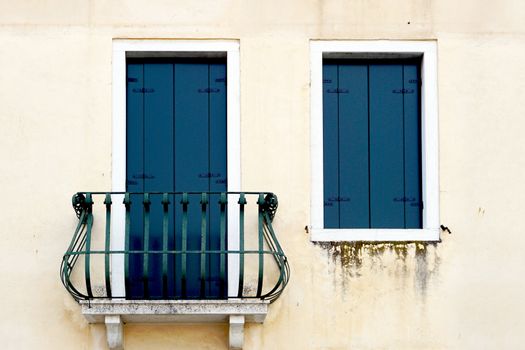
(114, 313)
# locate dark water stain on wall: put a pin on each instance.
(420, 257)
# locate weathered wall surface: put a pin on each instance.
(462, 293)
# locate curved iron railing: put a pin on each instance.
(82, 285)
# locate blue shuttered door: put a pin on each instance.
(371, 121)
(176, 141)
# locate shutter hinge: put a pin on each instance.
(209, 90)
(143, 90)
(337, 91)
(403, 91)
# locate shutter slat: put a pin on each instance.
(191, 156)
(353, 146)
(330, 147)
(218, 183)
(134, 174)
(386, 147)
(412, 148)
(158, 159)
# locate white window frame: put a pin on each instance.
(123, 48)
(320, 49)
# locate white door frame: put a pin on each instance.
(123, 48)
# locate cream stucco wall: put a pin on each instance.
(55, 116)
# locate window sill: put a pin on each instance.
(375, 235)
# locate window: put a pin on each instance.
(374, 141)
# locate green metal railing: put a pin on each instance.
(254, 229)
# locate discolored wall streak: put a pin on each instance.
(419, 261)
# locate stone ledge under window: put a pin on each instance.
(116, 312)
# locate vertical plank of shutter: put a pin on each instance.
(412, 149)
(218, 170)
(353, 146)
(158, 158)
(386, 146)
(192, 155)
(134, 180)
(330, 146)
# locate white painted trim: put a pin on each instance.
(429, 137)
(118, 169)
(372, 235)
(233, 101)
(200, 48)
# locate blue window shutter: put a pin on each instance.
(413, 199)
(372, 153)
(330, 146)
(218, 171)
(386, 146)
(353, 146)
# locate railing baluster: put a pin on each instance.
(107, 202)
(87, 270)
(269, 236)
(242, 202)
(222, 272)
(204, 203)
(260, 202)
(83, 241)
(145, 262)
(184, 247)
(127, 204)
(165, 227)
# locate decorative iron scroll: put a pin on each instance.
(79, 203)
(270, 205)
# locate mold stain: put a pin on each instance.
(418, 259)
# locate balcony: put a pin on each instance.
(174, 257)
